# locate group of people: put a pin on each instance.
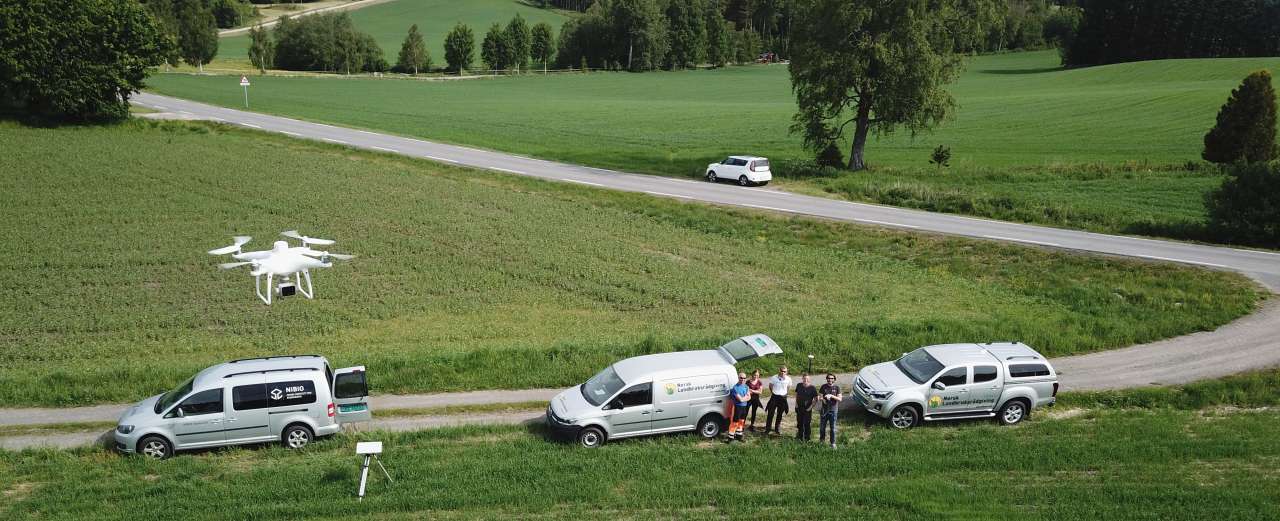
(746, 401)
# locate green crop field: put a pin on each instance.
(1086, 148)
(389, 23)
(475, 280)
(1215, 461)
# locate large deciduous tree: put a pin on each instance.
(262, 51)
(493, 49)
(459, 48)
(719, 35)
(519, 41)
(197, 33)
(542, 46)
(413, 52)
(686, 20)
(879, 65)
(640, 30)
(76, 59)
(1246, 128)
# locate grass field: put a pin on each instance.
(389, 23)
(469, 280)
(1086, 148)
(1103, 464)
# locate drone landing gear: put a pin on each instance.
(265, 296)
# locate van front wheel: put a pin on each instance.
(709, 427)
(591, 437)
(296, 436)
(155, 447)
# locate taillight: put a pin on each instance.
(1055, 389)
(753, 167)
(331, 411)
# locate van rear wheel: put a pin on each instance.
(709, 426)
(591, 437)
(296, 436)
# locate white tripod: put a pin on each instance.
(370, 450)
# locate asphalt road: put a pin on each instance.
(1261, 266)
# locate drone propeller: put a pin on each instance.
(315, 253)
(230, 265)
(306, 240)
(240, 240)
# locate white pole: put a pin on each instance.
(364, 475)
(246, 96)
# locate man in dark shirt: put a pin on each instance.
(806, 398)
(829, 393)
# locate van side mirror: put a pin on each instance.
(939, 386)
(179, 412)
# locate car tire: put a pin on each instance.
(710, 426)
(743, 181)
(904, 417)
(591, 437)
(1013, 412)
(155, 447)
(296, 436)
(711, 177)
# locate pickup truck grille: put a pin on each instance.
(861, 384)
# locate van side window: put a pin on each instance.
(283, 394)
(203, 402)
(957, 376)
(1028, 370)
(984, 373)
(249, 397)
(641, 394)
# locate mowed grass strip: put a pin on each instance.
(1098, 148)
(389, 22)
(476, 280)
(1125, 464)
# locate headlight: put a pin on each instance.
(881, 395)
(124, 429)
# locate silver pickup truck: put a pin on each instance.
(954, 381)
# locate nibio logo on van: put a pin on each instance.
(277, 394)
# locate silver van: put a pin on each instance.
(653, 394)
(290, 399)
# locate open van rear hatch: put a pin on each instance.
(750, 346)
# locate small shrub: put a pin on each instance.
(831, 156)
(797, 169)
(940, 157)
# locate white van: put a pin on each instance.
(653, 394)
(290, 399)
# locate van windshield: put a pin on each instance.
(918, 365)
(601, 386)
(173, 396)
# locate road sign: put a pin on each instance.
(244, 81)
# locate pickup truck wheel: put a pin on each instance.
(1014, 411)
(904, 417)
(591, 437)
(743, 181)
(709, 426)
(711, 177)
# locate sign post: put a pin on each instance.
(244, 82)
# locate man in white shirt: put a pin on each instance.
(779, 384)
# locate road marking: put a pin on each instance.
(366, 132)
(1241, 250)
(886, 223)
(185, 112)
(1012, 239)
(664, 194)
(769, 208)
(251, 125)
(294, 134)
(763, 190)
(1183, 261)
(445, 159)
(387, 150)
(581, 182)
(338, 141)
(507, 170)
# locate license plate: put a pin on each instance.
(352, 407)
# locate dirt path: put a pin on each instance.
(271, 22)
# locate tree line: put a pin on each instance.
(1113, 31)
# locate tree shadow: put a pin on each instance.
(1017, 72)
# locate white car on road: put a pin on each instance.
(746, 170)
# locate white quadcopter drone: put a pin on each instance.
(281, 260)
